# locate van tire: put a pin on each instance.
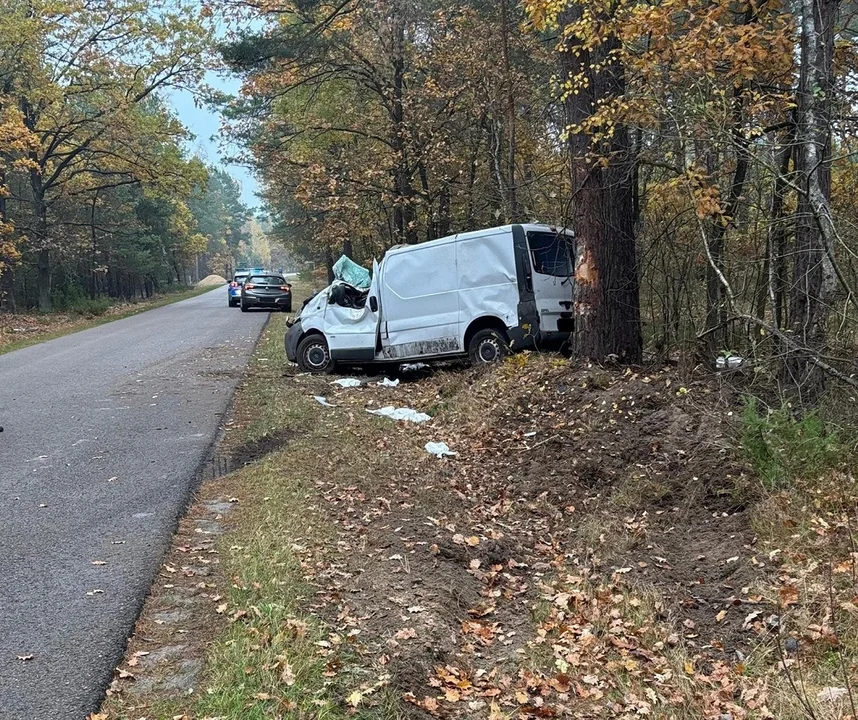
(314, 356)
(488, 346)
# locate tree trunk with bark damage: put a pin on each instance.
(607, 304)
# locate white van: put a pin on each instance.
(479, 294)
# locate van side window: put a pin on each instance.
(550, 253)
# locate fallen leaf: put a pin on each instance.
(720, 616)
(355, 698)
(287, 676)
(473, 541)
(788, 595)
(831, 694)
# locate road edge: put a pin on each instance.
(198, 478)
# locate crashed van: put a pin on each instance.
(480, 294)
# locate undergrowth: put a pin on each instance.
(782, 448)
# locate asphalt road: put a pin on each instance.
(105, 431)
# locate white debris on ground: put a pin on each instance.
(729, 362)
(401, 414)
(387, 382)
(439, 449)
(323, 401)
(347, 382)
(212, 281)
(413, 367)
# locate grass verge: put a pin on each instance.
(44, 327)
(277, 658)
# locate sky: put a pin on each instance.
(208, 142)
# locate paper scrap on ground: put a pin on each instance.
(387, 382)
(414, 367)
(323, 401)
(439, 449)
(401, 414)
(347, 382)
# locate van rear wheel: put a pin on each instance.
(488, 346)
(314, 356)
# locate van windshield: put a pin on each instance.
(550, 253)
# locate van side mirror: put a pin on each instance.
(373, 304)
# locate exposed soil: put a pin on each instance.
(627, 472)
(254, 450)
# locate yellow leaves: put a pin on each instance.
(543, 13)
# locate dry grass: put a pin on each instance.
(25, 329)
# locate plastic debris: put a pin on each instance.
(401, 414)
(347, 269)
(347, 382)
(323, 401)
(530, 434)
(414, 367)
(729, 362)
(387, 382)
(439, 449)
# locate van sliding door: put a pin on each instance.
(420, 302)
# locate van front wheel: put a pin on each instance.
(314, 356)
(488, 346)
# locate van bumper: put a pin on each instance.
(291, 340)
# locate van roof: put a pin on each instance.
(527, 227)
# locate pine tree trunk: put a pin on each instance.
(607, 303)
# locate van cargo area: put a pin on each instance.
(480, 294)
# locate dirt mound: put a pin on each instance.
(634, 468)
(212, 281)
(628, 475)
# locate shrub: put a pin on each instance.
(88, 306)
(782, 448)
